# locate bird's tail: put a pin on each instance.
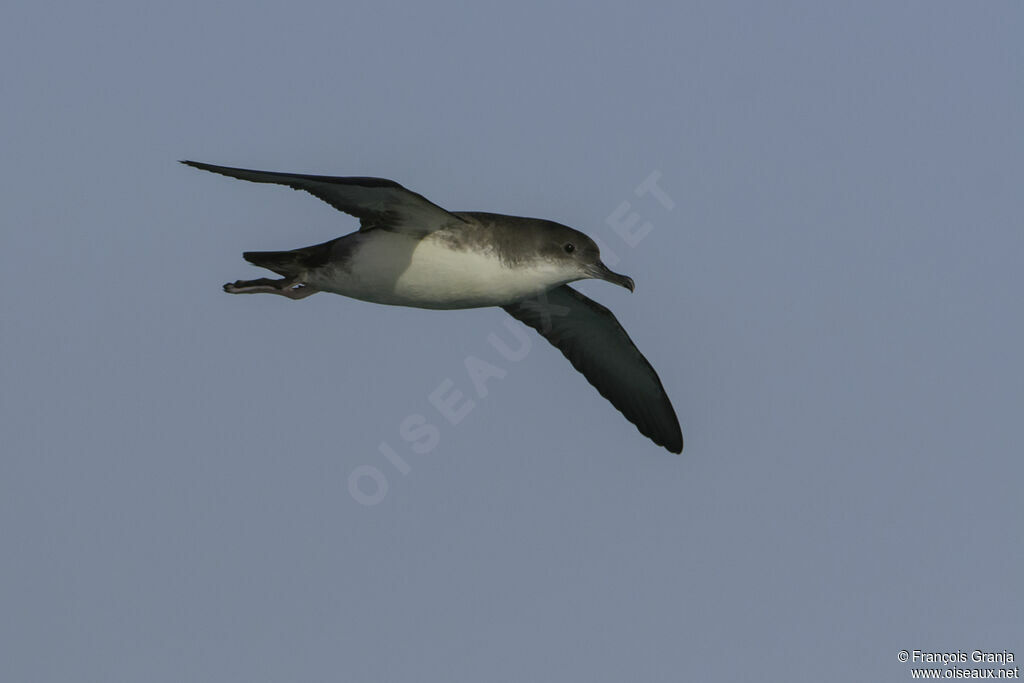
(287, 263)
(291, 263)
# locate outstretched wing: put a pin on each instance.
(595, 343)
(376, 202)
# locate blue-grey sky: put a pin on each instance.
(832, 300)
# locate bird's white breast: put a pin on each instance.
(393, 268)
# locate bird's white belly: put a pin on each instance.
(391, 268)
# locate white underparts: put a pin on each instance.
(393, 268)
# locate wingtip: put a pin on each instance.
(673, 444)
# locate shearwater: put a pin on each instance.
(409, 251)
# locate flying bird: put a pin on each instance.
(409, 251)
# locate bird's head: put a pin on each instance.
(580, 255)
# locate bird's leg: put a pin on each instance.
(285, 287)
(299, 292)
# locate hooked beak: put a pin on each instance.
(603, 272)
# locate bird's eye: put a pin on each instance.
(569, 247)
